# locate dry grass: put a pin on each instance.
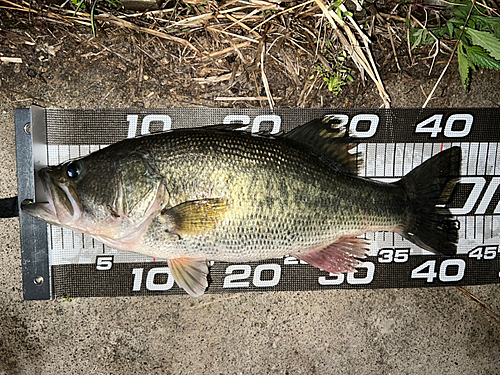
(302, 40)
(294, 37)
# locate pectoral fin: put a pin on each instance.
(340, 256)
(190, 274)
(194, 217)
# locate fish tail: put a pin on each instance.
(430, 223)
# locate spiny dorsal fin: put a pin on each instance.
(241, 127)
(225, 127)
(325, 137)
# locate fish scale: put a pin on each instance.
(278, 204)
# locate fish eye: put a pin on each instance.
(73, 170)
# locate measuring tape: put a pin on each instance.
(58, 262)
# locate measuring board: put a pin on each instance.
(58, 262)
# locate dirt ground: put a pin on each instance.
(124, 69)
(415, 331)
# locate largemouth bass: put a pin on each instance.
(214, 193)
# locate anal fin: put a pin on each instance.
(341, 256)
(190, 274)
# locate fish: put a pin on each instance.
(216, 193)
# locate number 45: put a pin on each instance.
(484, 252)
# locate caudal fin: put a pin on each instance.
(429, 186)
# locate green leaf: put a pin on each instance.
(339, 13)
(463, 66)
(79, 4)
(489, 23)
(458, 22)
(461, 11)
(479, 57)
(486, 40)
(420, 37)
(440, 32)
(424, 36)
(92, 19)
(449, 25)
(416, 37)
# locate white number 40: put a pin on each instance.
(427, 271)
(427, 127)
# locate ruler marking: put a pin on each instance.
(403, 167)
(468, 159)
(62, 238)
(482, 228)
(421, 148)
(465, 227)
(362, 150)
(491, 157)
(482, 157)
(385, 160)
(371, 160)
(491, 227)
(475, 228)
(391, 157)
(475, 156)
(398, 155)
(403, 160)
(411, 154)
(495, 166)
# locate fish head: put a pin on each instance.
(80, 193)
(111, 198)
(60, 184)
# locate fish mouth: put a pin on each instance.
(61, 207)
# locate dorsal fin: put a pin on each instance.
(325, 138)
(241, 127)
(224, 127)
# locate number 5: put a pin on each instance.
(104, 263)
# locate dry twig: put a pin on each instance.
(481, 304)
